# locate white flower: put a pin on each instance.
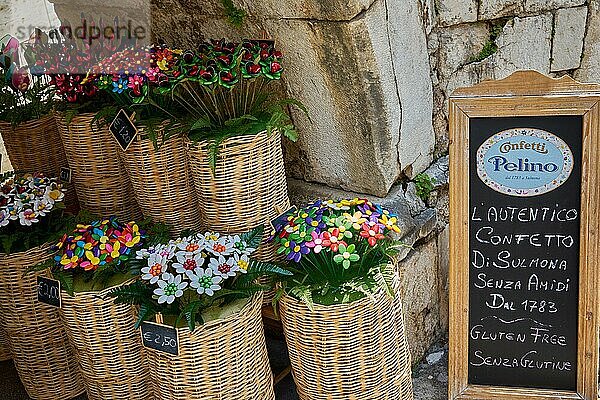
(241, 245)
(203, 281)
(221, 246)
(169, 288)
(4, 220)
(157, 266)
(187, 261)
(224, 267)
(28, 217)
(192, 245)
(43, 206)
(242, 262)
(209, 236)
(144, 253)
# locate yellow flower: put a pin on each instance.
(93, 259)
(357, 219)
(390, 223)
(354, 202)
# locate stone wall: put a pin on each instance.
(473, 40)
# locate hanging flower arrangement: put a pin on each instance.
(186, 276)
(337, 250)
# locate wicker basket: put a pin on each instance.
(224, 359)
(101, 182)
(36, 146)
(162, 182)
(107, 346)
(41, 353)
(4, 346)
(247, 187)
(355, 351)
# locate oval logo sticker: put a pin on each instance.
(524, 162)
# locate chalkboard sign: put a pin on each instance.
(524, 206)
(160, 337)
(48, 291)
(65, 175)
(524, 251)
(123, 129)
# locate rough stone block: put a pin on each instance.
(569, 31)
(590, 62)
(492, 9)
(452, 12)
(420, 295)
(524, 44)
(533, 6)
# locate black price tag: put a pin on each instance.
(160, 337)
(48, 291)
(123, 129)
(281, 219)
(65, 175)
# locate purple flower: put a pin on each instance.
(297, 250)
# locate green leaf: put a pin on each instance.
(254, 237)
(201, 123)
(145, 312)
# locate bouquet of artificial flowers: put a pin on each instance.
(96, 253)
(30, 210)
(338, 251)
(185, 277)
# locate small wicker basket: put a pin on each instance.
(355, 351)
(4, 346)
(101, 182)
(224, 359)
(36, 146)
(162, 183)
(247, 188)
(107, 346)
(41, 353)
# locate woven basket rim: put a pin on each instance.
(199, 143)
(101, 291)
(378, 294)
(29, 121)
(44, 246)
(215, 324)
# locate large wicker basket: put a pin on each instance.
(162, 183)
(36, 146)
(224, 359)
(247, 188)
(355, 351)
(4, 346)
(107, 346)
(41, 353)
(101, 181)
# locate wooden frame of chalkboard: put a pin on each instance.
(525, 94)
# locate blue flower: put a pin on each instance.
(120, 85)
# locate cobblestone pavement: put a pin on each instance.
(430, 380)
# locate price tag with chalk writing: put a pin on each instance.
(160, 337)
(123, 129)
(65, 175)
(48, 291)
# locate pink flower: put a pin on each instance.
(316, 244)
(135, 84)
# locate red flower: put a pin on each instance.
(332, 240)
(371, 233)
(135, 84)
(275, 67)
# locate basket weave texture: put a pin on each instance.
(4, 346)
(107, 346)
(41, 353)
(101, 182)
(224, 359)
(162, 183)
(36, 146)
(355, 351)
(246, 188)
